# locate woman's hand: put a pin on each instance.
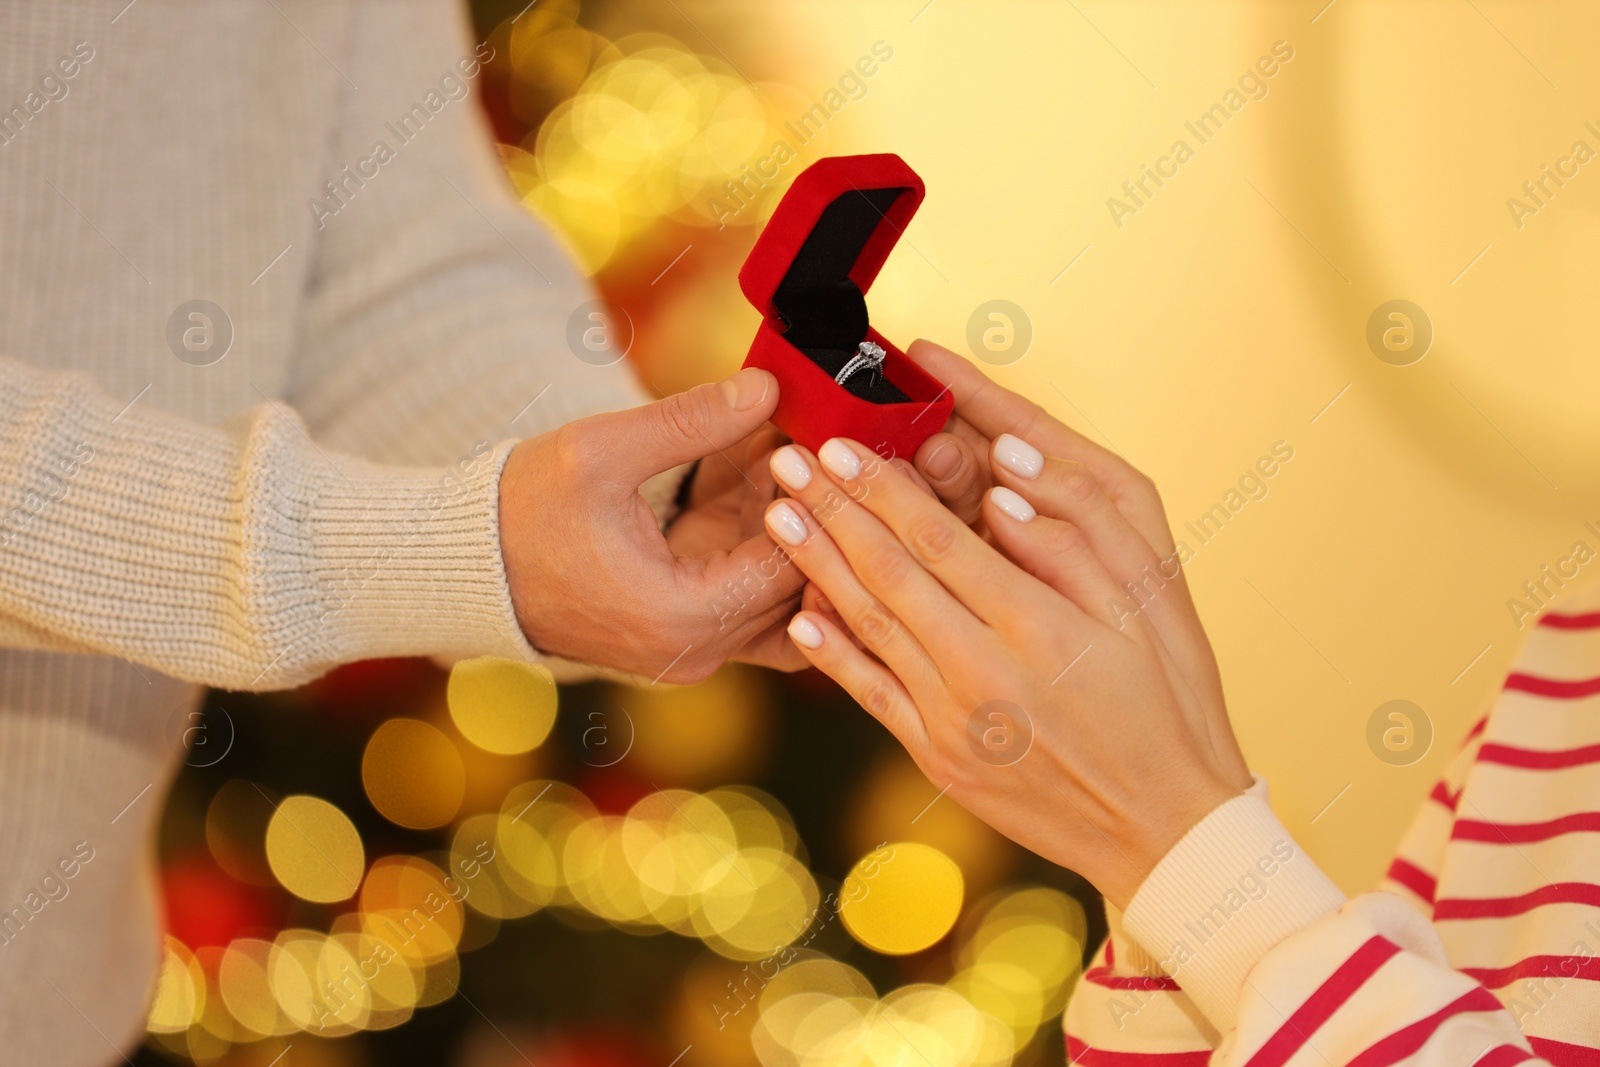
(1134, 551)
(1033, 689)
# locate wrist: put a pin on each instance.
(510, 536)
(1162, 819)
(1231, 763)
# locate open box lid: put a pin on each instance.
(832, 232)
(807, 274)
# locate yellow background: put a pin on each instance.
(1228, 312)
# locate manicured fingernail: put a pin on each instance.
(806, 633)
(839, 459)
(784, 521)
(1012, 504)
(943, 462)
(1018, 456)
(746, 389)
(791, 468)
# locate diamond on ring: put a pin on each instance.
(869, 356)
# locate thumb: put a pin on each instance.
(644, 441)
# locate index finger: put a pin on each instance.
(989, 585)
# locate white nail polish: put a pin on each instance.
(806, 633)
(1012, 504)
(839, 459)
(784, 521)
(1018, 456)
(791, 468)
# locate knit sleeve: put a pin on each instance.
(439, 313)
(1247, 955)
(359, 518)
(243, 556)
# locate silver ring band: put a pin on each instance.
(869, 356)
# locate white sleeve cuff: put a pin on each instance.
(1230, 890)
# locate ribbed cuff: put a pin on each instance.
(242, 556)
(1234, 887)
(408, 562)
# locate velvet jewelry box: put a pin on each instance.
(808, 274)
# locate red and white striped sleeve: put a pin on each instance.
(1414, 872)
(1518, 899)
(1253, 958)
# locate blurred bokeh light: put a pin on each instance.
(413, 774)
(502, 707)
(399, 864)
(902, 898)
(314, 850)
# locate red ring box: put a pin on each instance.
(808, 275)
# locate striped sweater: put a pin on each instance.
(1482, 946)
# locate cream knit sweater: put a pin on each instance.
(324, 491)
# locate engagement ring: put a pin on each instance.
(868, 356)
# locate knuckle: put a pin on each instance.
(568, 451)
(1078, 485)
(1132, 481)
(1065, 539)
(933, 540)
(683, 415)
(885, 566)
(874, 628)
(1145, 489)
(877, 698)
(1030, 418)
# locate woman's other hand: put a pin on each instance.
(985, 413)
(1021, 674)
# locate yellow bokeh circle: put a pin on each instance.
(413, 774)
(180, 991)
(314, 850)
(755, 903)
(245, 983)
(414, 908)
(502, 706)
(901, 898)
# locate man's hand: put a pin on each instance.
(728, 494)
(592, 577)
